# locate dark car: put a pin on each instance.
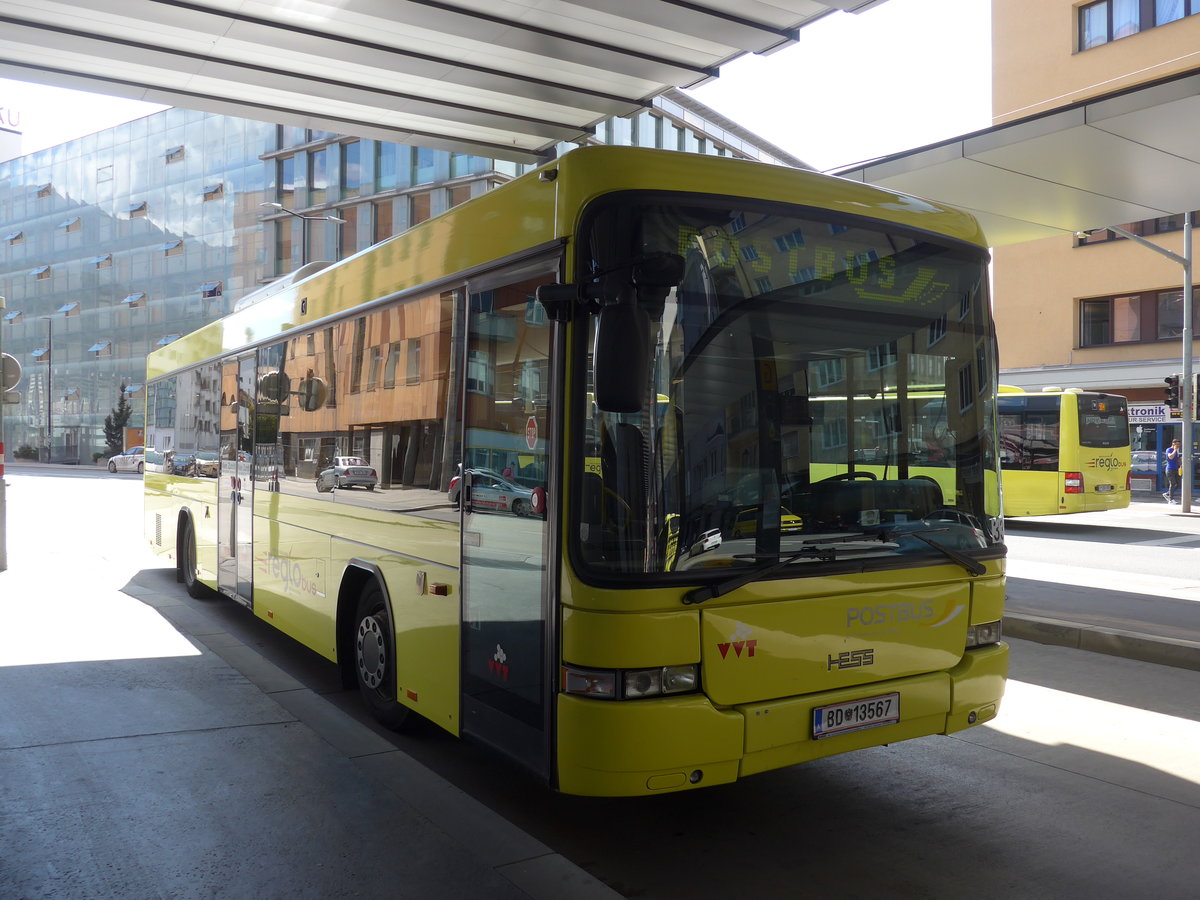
(347, 472)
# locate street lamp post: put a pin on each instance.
(304, 220)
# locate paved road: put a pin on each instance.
(1087, 784)
(1131, 577)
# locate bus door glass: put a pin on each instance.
(507, 448)
(235, 497)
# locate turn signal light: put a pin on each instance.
(984, 633)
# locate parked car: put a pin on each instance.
(132, 460)
(207, 464)
(183, 464)
(498, 495)
(710, 540)
(478, 474)
(1145, 462)
(347, 472)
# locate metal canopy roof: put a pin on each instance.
(504, 78)
(1122, 157)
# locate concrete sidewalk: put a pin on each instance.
(1049, 604)
(145, 752)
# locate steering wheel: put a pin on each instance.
(851, 476)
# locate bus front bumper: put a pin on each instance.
(631, 748)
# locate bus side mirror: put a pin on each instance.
(621, 359)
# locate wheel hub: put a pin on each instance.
(372, 652)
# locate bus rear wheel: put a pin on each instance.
(375, 659)
(186, 563)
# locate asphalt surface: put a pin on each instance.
(146, 752)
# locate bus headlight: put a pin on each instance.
(983, 634)
(629, 684)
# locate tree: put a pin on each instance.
(114, 425)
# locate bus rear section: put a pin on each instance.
(1063, 451)
(761, 570)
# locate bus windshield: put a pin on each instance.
(820, 391)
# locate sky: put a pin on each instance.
(855, 87)
(902, 75)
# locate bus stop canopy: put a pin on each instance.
(502, 78)
(1122, 157)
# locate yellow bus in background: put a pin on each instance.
(684, 581)
(1063, 451)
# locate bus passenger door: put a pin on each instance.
(508, 449)
(235, 493)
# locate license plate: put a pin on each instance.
(1103, 488)
(855, 715)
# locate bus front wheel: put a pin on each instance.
(375, 659)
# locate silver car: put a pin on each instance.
(347, 472)
(132, 460)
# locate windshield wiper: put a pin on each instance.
(824, 549)
(973, 566)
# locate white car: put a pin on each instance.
(132, 460)
(710, 540)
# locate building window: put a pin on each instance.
(318, 177)
(381, 226)
(103, 174)
(393, 361)
(15, 237)
(458, 194)
(102, 262)
(211, 289)
(350, 173)
(285, 179)
(41, 272)
(386, 166)
(134, 300)
(101, 348)
(424, 168)
(173, 155)
(419, 208)
(69, 309)
(72, 224)
(413, 373)
(347, 232)
(172, 248)
(1111, 20)
(1115, 320)
(45, 190)
(136, 210)
(13, 316)
(213, 192)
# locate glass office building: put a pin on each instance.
(121, 241)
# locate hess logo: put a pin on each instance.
(851, 659)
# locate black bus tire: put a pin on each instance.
(375, 659)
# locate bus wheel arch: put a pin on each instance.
(367, 644)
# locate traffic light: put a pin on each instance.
(1172, 391)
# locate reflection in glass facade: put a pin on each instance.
(117, 243)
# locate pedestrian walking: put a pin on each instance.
(1173, 464)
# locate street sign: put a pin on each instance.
(10, 372)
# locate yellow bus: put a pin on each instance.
(1063, 451)
(649, 331)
